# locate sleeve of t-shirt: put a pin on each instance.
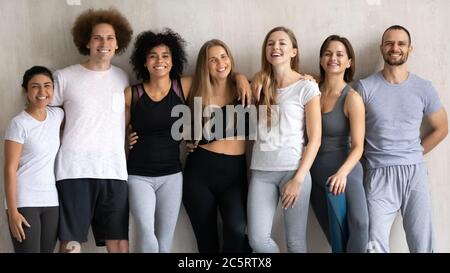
(432, 101)
(15, 132)
(358, 86)
(311, 90)
(58, 112)
(58, 98)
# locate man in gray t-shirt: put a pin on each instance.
(396, 176)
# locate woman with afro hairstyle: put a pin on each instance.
(91, 169)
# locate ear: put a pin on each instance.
(349, 63)
(411, 48)
(294, 53)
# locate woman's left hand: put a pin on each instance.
(337, 183)
(290, 193)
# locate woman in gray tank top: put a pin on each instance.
(337, 194)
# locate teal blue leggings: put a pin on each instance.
(343, 218)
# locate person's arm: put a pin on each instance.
(13, 150)
(291, 192)
(243, 87)
(354, 109)
(128, 96)
(186, 83)
(439, 130)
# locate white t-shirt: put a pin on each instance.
(280, 147)
(92, 145)
(35, 174)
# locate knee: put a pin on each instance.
(260, 243)
(296, 246)
(360, 225)
(70, 247)
(257, 242)
(237, 229)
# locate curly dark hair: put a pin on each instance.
(147, 40)
(86, 21)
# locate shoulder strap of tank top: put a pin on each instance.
(178, 88)
(345, 91)
(136, 93)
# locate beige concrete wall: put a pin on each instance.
(38, 32)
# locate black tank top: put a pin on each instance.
(336, 126)
(156, 153)
(233, 124)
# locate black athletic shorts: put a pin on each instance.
(102, 203)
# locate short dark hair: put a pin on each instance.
(147, 40)
(397, 27)
(86, 21)
(35, 70)
(349, 72)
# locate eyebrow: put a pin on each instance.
(164, 52)
(99, 35)
(272, 40)
(35, 83)
(393, 41)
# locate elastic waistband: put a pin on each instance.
(202, 151)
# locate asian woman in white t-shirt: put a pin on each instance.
(31, 145)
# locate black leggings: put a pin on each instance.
(41, 236)
(212, 181)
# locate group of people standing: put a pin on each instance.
(311, 154)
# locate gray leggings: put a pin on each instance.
(155, 203)
(42, 235)
(263, 198)
(405, 188)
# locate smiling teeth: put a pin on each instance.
(41, 98)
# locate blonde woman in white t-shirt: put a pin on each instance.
(31, 144)
(281, 156)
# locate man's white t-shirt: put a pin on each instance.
(35, 175)
(92, 145)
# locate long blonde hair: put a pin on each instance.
(268, 95)
(202, 82)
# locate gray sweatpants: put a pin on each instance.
(393, 188)
(155, 203)
(263, 197)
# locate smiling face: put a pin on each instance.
(219, 63)
(279, 49)
(159, 61)
(395, 47)
(335, 58)
(103, 43)
(39, 91)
